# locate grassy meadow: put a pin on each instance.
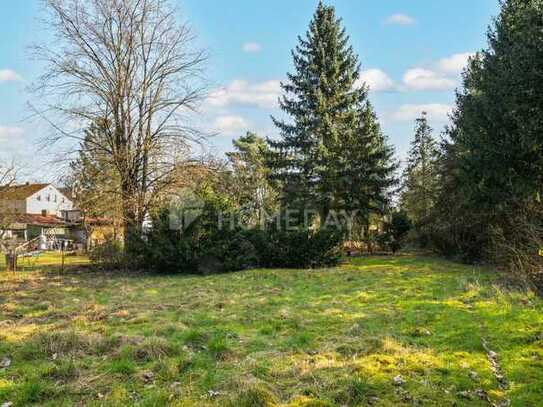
(390, 331)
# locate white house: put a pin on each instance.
(34, 199)
(35, 210)
(32, 211)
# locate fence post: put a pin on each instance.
(11, 262)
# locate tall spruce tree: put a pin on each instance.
(332, 154)
(420, 178)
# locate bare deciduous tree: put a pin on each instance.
(8, 175)
(130, 65)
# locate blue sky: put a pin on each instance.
(411, 51)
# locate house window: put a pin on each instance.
(39, 198)
(55, 199)
(48, 197)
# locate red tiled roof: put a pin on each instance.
(39, 220)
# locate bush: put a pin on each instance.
(386, 242)
(228, 250)
(517, 245)
(206, 245)
(394, 236)
(463, 239)
(400, 225)
(165, 250)
(206, 249)
(109, 254)
(298, 249)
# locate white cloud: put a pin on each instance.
(8, 75)
(7, 133)
(239, 92)
(426, 79)
(377, 80)
(230, 124)
(436, 112)
(440, 75)
(251, 47)
(454, 64)
(400, 19)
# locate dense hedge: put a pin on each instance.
(205, 248)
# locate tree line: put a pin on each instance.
(332, 164)
(128, 69)
(477, 195)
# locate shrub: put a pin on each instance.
(517, 245)
(205, 248)
(165, 250)
(228, 250)
(298, 249)
(386, 242)
(400, 225)
(109, 254)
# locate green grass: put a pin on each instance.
(46, 261)
(382, 332)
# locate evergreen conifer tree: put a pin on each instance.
(331, 154)
(420, 179)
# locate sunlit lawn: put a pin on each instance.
(383, 331)
(45, 261)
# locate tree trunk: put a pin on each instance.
(131, 229)
(131, 224)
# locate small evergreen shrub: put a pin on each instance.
(400, 225)
(109, 254)
(211, 243)
(298, 249)
(209, 250)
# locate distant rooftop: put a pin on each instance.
(18, 192)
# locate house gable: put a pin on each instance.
(48, 200)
